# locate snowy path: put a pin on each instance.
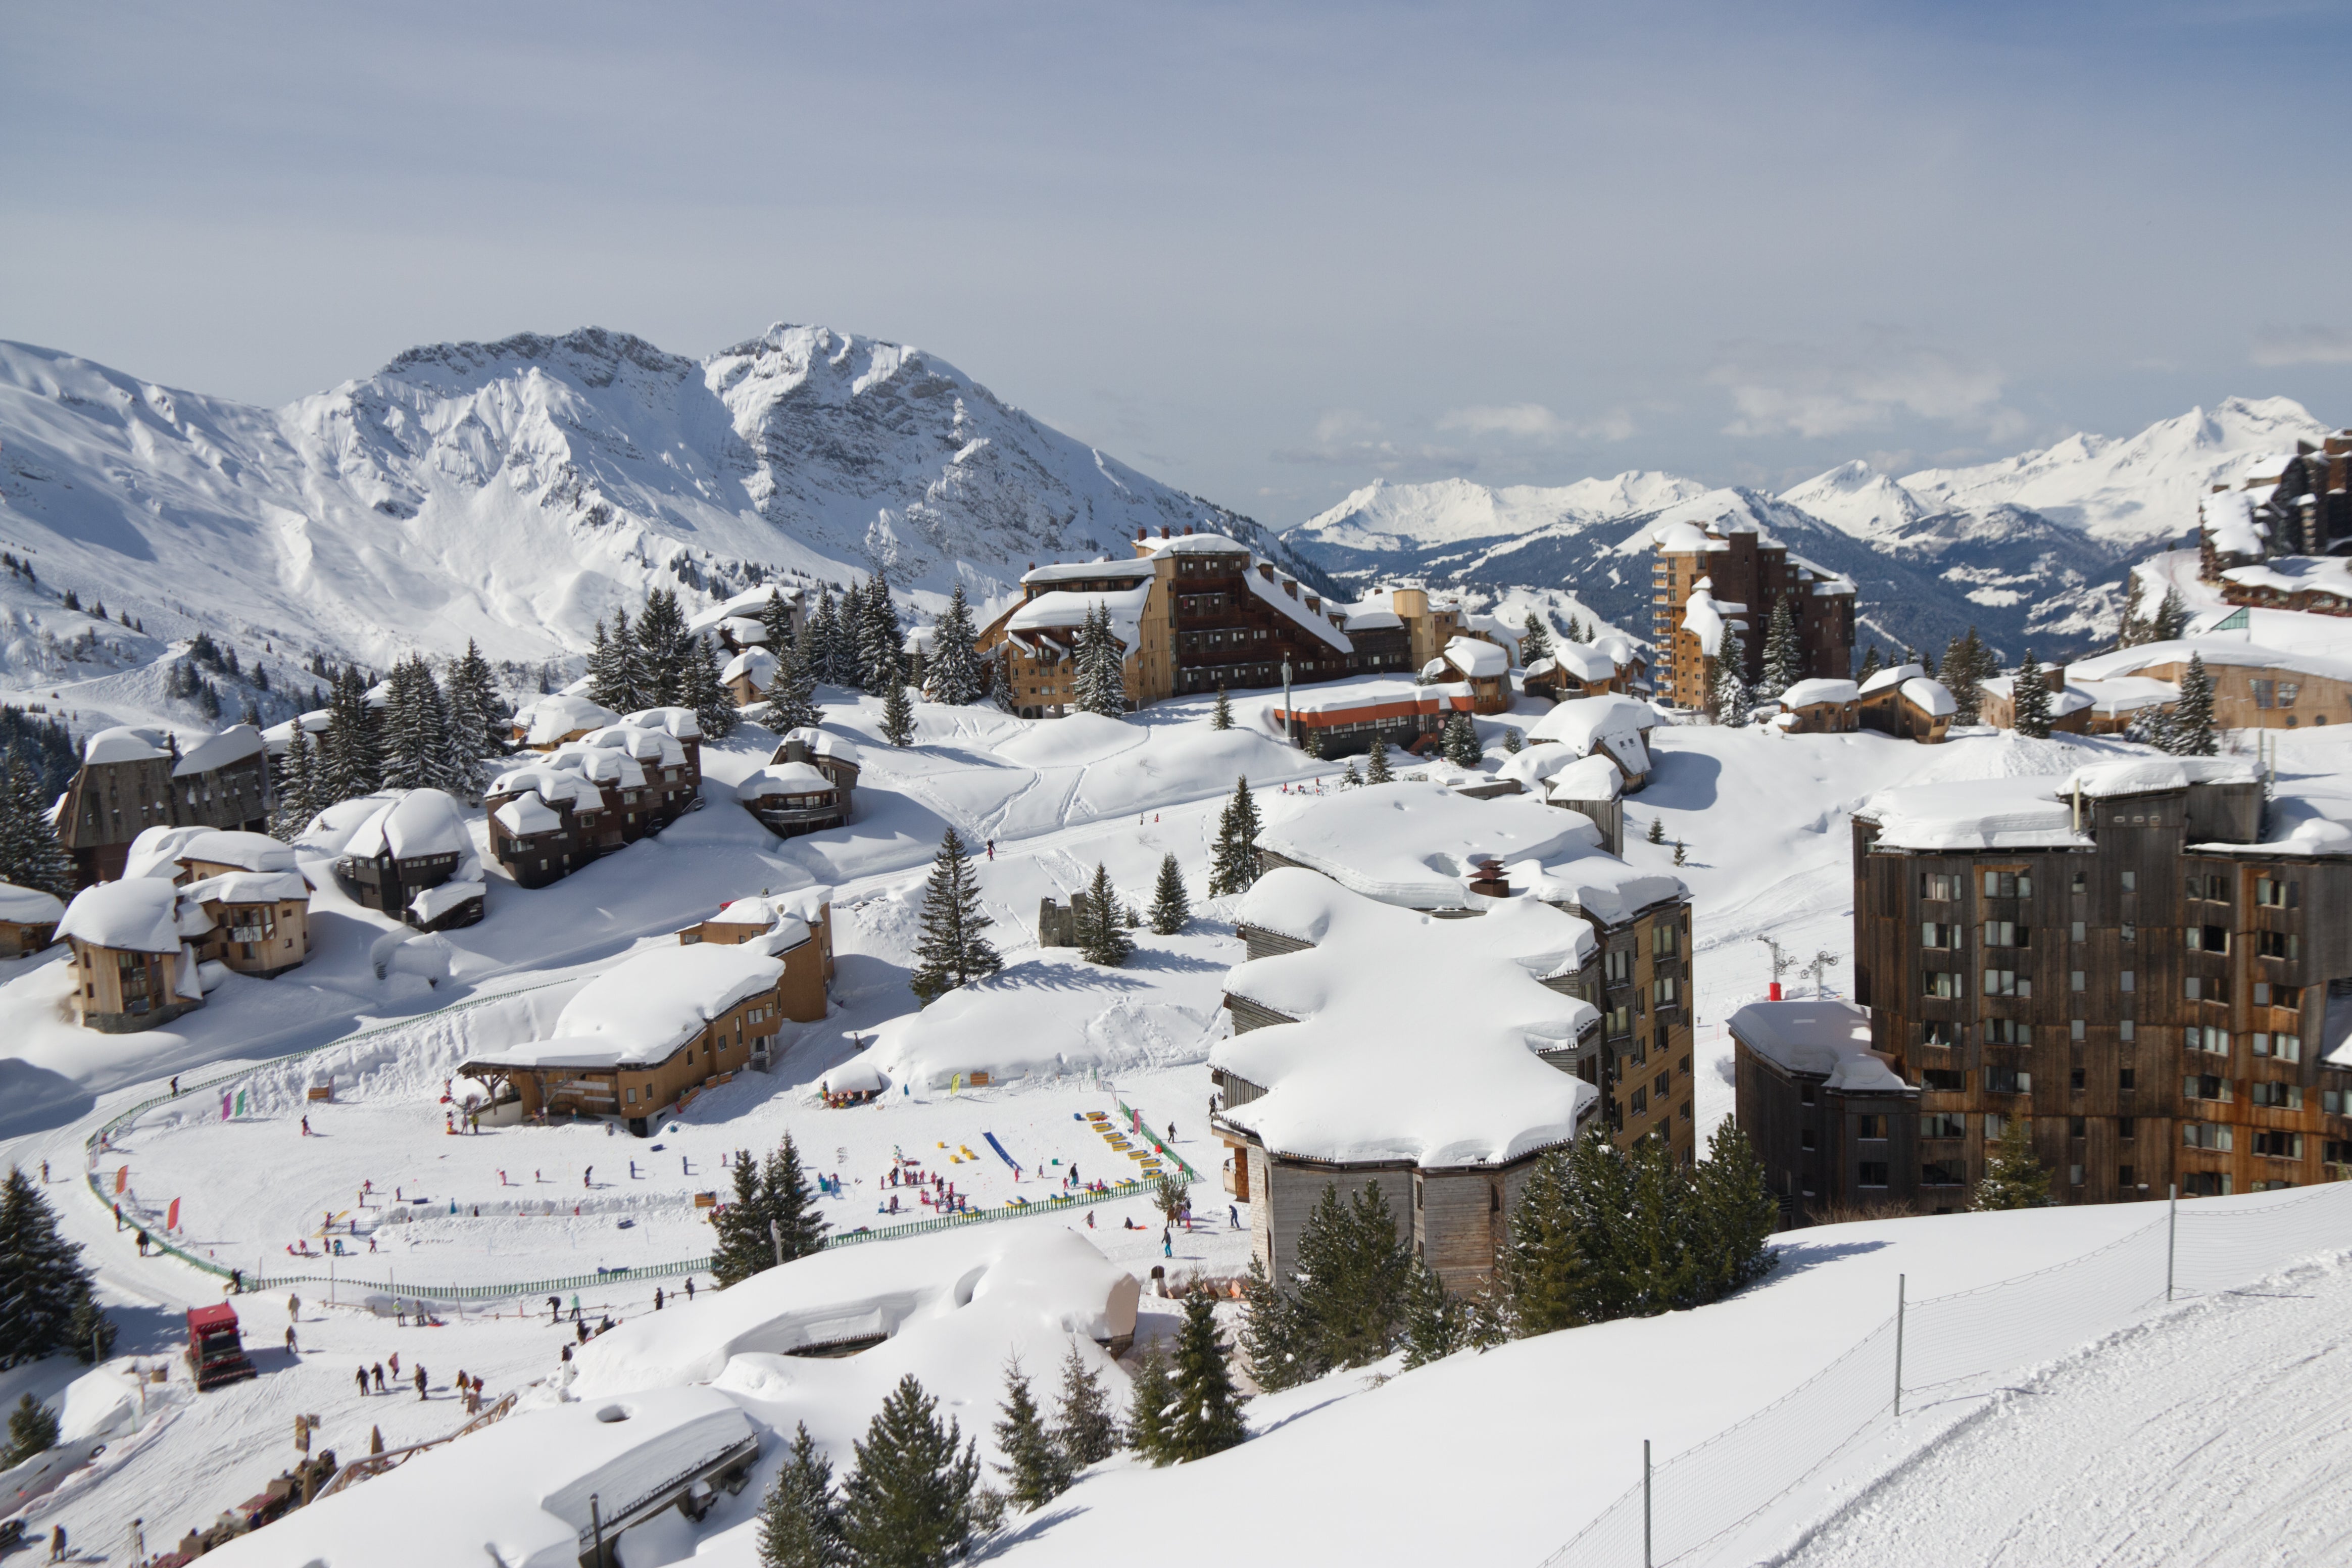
(2218, 1433)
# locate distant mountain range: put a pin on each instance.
(2029, 550)
(515, 491)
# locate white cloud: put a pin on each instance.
(1343, 436)
(2310, 344)
(1791, 389)
(1534, 422)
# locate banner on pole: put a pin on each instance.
(172, 1219)
(122, 1178)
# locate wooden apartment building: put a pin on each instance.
(1746, 573)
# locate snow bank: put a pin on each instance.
(1805, 693)
(1930, 697)
(1416, 843)
(1477, 658)
(1980, 814)
(28, 906)
(1826, 1035)
(123, 743)
(138, 915)
(550, 719)
(1416, 1037)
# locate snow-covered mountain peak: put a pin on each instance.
(1856, 499)
(1385, 516)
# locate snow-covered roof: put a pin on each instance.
(1195, 544)
(782, 778)
(2213, 648)
(2120, 694)
(652, 1002)
(2229, 519)
(158, 851)
(1686, 537)
(1477, 658)
(678, 722)
(1807, 693)
(747, 606)
(1930, 697)
(2148, 775)
(2072, 700)
(1825, 1035)
(1583, 724)
(278, 737)
(516, 1492)
(526, 815)
(742, 631)
(248, 887)
(1375, 691)
(1894, 676)
(1066, 609)
(414, 823)
(552, 782)
(1825, 583)
(1705, 615)
(823, 743)
(140, 914)
(1981, 814)
(429, 904)
(1295, 610)
(1586, 661)
(212, 752)
(1417, 844)
(1593, 882)
(552, 718)
(756, 665)
(29, 906)
(2297, 574)
(1442, 1071)
(658, 747)
(805, 904)
(124, 743)
(1141, 568)
(1587, 778)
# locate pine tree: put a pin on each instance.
(1171, 907)
(743, 1248)
(1728, 683)
(30, 855)
(418, 752)
(1682, 853)
(1784, 657)
(1376, 763)
(713, 704)
(1437, 1323)
(789, 1209)
(1871, 664)
(1233, 866)
(1544, 1272)
(950, 950)
(1313, 745)
(2171, 616)
(2029, 699)
(845, 652)
(42, 1280)
(1584, 632)
(1039, 1468)
(898, 715)
(1208, 1414)
(1221, 717)
(663, 647)
(1350, 1279)
(1083, 1428)
(1150, 1407)
(2131, 630)
(1735, 1213)
(1273, 1335)
(1663, 1270)
(1535, 639)
(352, 760)
(297, 788)
(792, 699)
(90, 1333)
(1102, 674)
(953, 674)
(1967, 662)
(800, 1525)
(1461, 742)
(32, 1429)
(1350, 778)
(1657, 834)
(2191, 732)
(2013, 1178)
(910, 1501)
(1104, 940)
(776, 623)
(477, 718)
(882, 640)
(1513, 742)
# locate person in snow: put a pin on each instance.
(587, 1173)
(1166, 1248)
(1233, 1216)
(291, 1348)
(175, 1086)
(364, 1387)
(690, 1289)
(1090, 1219)
(293, 1308)
(142, 1244)
(392, 1361)
(57, 1544)
(657, 1298)
(379, 1377)
(420, 1379)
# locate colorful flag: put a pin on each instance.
(122, 1178)
(172, 1219)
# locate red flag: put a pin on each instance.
(122, 1177)
(172, 1220)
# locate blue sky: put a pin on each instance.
(1265, 252)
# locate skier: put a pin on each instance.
(420, 1379)
(587, 1171)
(689, 1290)
(1233, 1216)
(364, 1388)
(657, 1298)
(293, 1308)
(1090, 1219)
(142, 1244)
(379, 1377)
(175, 1086)
(291, 1348)
(992, 849)
(57, 1544)
(306, 1127)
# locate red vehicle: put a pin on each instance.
(215, 1349)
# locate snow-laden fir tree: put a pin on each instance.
(713, 704)
(1170, 906)
(32, 1429)
(953, 673)
(792, 697)
(1657, 834)
(30, 855)
(818, 635)
(790, 1206)
(1681, 852)
(295, 790)
(418, 752)
(1784, 657)
(1513, 742)
(2013, 1178)
(1437, 1323)
(1350, 1277)
(1102, 935)
(1233, 865)
(911, 1499)
(776, 623)
(897, 714)
(1967, 661)
(42, 1280)
(880, 641)
(663, 647)
(800, 1523)
(1207, 1418)
(1545, 1270)
(2171, 617)
(1734, 1214)
(1150, 1404)
(2191, 732)
(1534, 638)
(1664, 1271)
(1350, 778)
(1273, 1334)
(351, 759)
(2029, 699)
(1101, 673)
(1084, 1427)
(478, 717)
(1869, 664)
(1376, 763)
(1461, 742)
(950, 949)
(742, 1248)
(2131, 631)
(1728, 678)
(1036, 1470)
(1221, 717)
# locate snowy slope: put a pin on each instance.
(515, 491)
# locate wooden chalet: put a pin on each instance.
(594, 796)
(753, 920)
(1821, 707)
(740, 623)
(131, 967)
(133, 779)
(1830, 1121)
(400, 859)
(28, 920)
(809, 785)
(1904, 703)
(2255, 686)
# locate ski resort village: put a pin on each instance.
(1518, 890)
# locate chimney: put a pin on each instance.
(1290, 587)
(1266, 570)
(1489, 880)
(1188, 531)
(1141, 534)
(2056, 679)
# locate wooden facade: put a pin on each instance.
(119, 990)
(640, 1093)
(134, 780)
(2159, 1016)
(1745, 571)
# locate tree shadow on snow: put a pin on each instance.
(38, 1099)
(1165, 962)
(1797, 1256)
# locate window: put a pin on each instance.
(1617, 967)
(2126, 1128)
(1663, 991)
(2005, 982)
(2205, 939)
(1940, 1033)
(1665, 940)
(2008, 1032)
(1943, 1124)
(2009, 884)
(2123, 1174)
(2201, 885)
(2206, 1038)
(2279, 1145)
(2206, 1086)
(1937, 886)
(2075, 1080)
(2126, 1078)
(1942, 1173)
(2205, 1135)
(2277, 1096)
(2282, 1046)
(2074, 1027)
(2007, 933)
(2075, 980)
(2269, 892)
(2080, 884)
(2204, 1185)
(2075, 933)
(2074, 1175)
(2126, 981)
(2007, 1080)
(2262, 992)
(2265, 693)
(1641, 1108)
(1805, 1138)
(1664, 1084)
(1621, 1022)
(2287, 692)
(1943, 982)
(2123, 1029)
(1943, 1081)
(1804, 1094)
(1935, 933)
(2277, 944)
(2075, 1126)
(1870, 1126)
(1871, 1174)
(2127, 932)
(2130, 881)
